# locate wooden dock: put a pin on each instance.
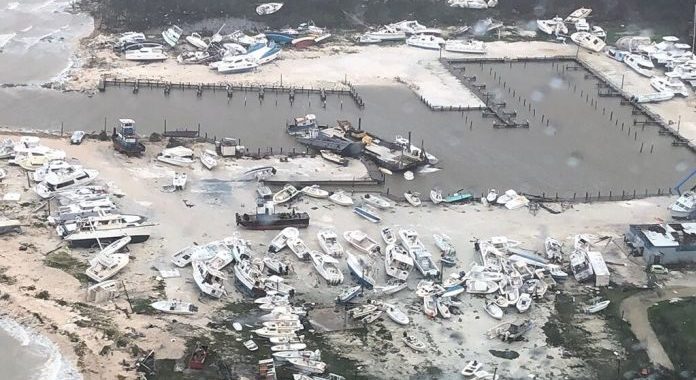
(230, 88)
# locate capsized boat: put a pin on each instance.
(208, 159)
(197, 41)
(328, 241)
(175, 307)
(362, 242)
(684, 207)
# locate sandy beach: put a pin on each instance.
(100, 337)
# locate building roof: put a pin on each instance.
(668, 235)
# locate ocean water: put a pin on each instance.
(27, 355)
(37, 40)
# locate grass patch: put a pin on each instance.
(99, 320)
(675, 327)
(5, 279)
(43, 295)
(64, 261)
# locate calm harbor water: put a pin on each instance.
(580, 151)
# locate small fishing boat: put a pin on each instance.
(367, 39)
(387, 33)
(376, 201)
(491, 196)
(442, 308)
(389, 289)
(280, 241)
(237, 326)
(240, 64)
(362, 242)
(414, 343)
(299, 248)
(368, 213)
(349, 293)
(481, 286)
(361, 269)
(578, 14)
(410, 240)
(328, 241)
(286, 339)
(599, 306)
(285, 355)
(315, 192)
(208, 160)
(362, 310)
(458, 197)
(397, 315)
(327, 267)
(408, 175)
(175, 307)
(425, 41)
(286, 194)
(308, 365)
(465, 46)
(289, 347)
(267, 332)
(333, 157)
(436, 196)
(268, 8)
(430, 306)
(493, 310)
(524, 302)
(274, 299)
(341, 198)
(251, 345)
(397, 262)
(388, 235)
(557, 273)
(654, 97)
(413, 198)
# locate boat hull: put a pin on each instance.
(276, 221)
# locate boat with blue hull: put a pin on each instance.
(459, 196)
(126, 140)
(280, 38)
(361, 270)
(367, 213)
(324, 140)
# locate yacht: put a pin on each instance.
(410, 240)
(209, 281)
(397, 262)
(239, 65)
(684, 207)
(634, 61)
(146, 54)
(424, 41)
(197, 41)
(553, 26)
(55, 182)
(386, 33)
(249, 278)
(465, 46)
(177, 156)
(588, 41)
(88, 232)
(53, 166)
(666, 84)
(409, 26)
